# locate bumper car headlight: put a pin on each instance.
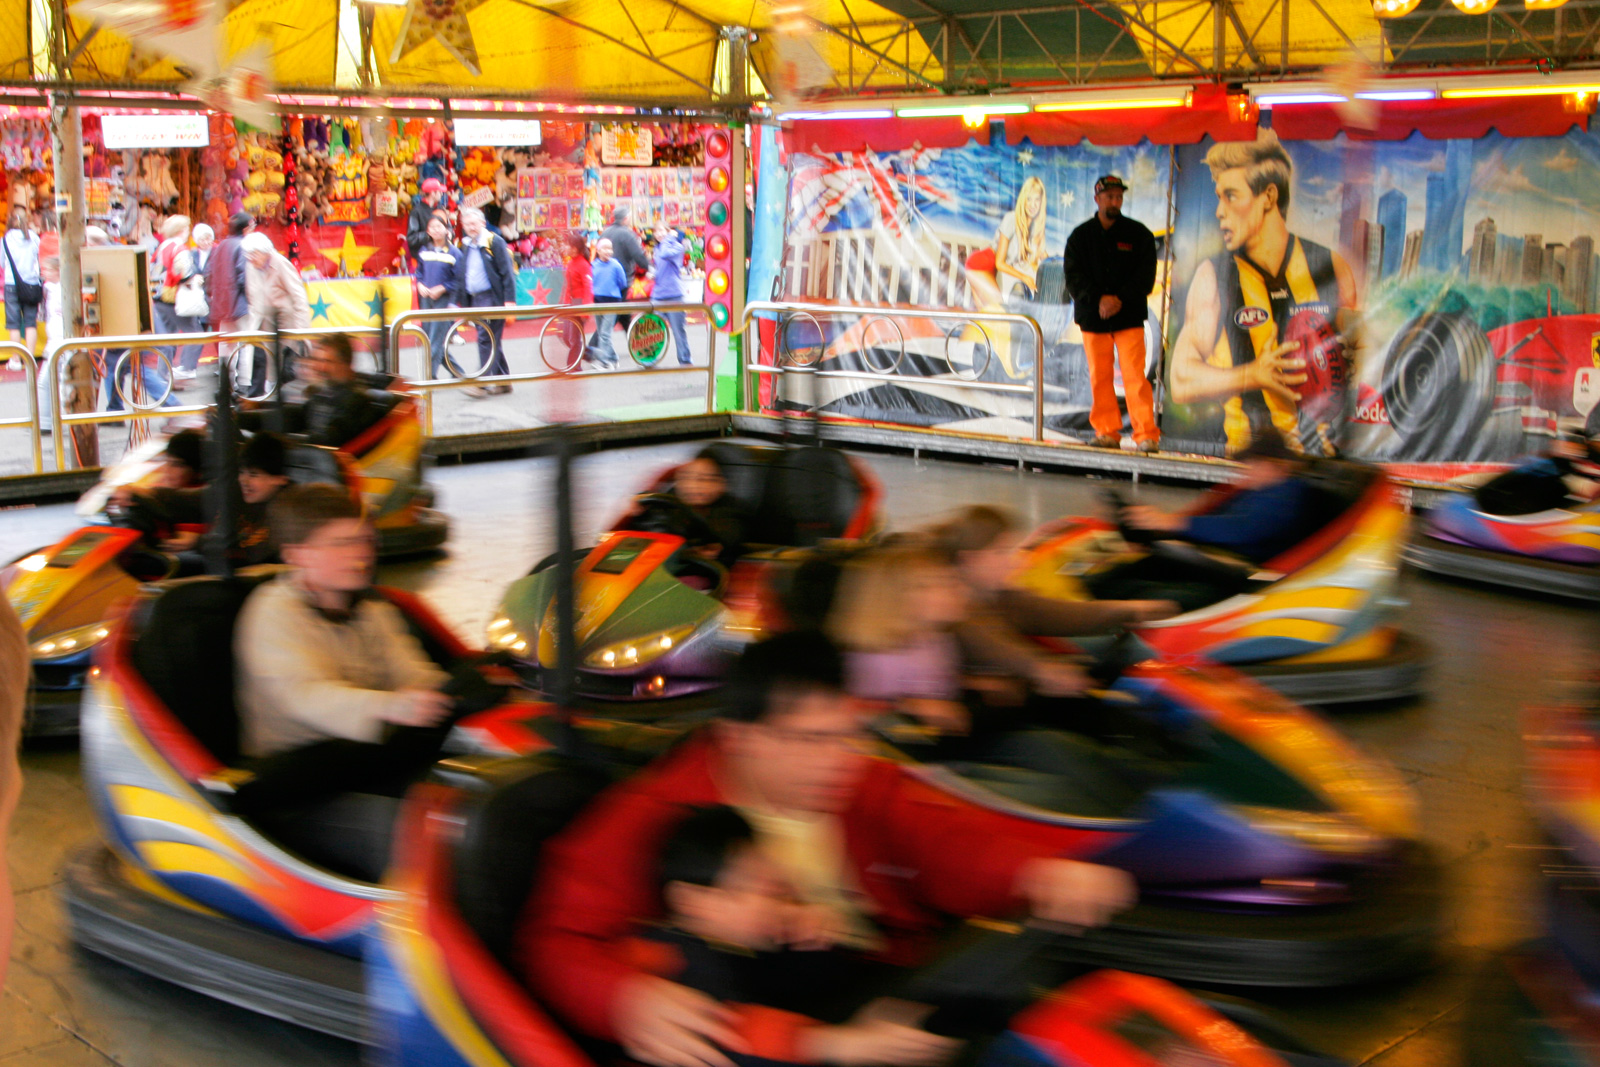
(68, 642)
(640, 650)
(504, 637)
(1328, 832)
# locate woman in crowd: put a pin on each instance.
(173, 268)
(205, 240)
(580, 289)
(24, 289)
(668, 286)
(435, 277)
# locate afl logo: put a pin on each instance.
(1249, 317)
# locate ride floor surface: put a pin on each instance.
(1459, 747)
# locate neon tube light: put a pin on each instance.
(880, 113)
(1104, 105)
(961, 111)
(1393, 95)
(1300, 98)
(1519, 90)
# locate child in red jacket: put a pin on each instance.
(730, 917)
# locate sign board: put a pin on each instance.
(478, 197)
(647, 339)
(497, 133)
(623, 145)
(63, 203)
(386, 204)
(155, 131)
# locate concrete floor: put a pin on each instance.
(1459, 748)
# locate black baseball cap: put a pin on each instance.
(1109, 181)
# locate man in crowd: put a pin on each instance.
(1111, 267)
(882, 855)
(336, 407)
(227, 282)
(628, 249)
(485, 277)
(430, 195)
(610, 287)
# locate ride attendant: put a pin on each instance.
(733, 931)
(335, 694)
(1110, 264)
(985, 543)
(668, 286)
(885, 854)
(486, 277)
(24, 289)
(579, 288)
(627, 247)
(430, 196)
(610, 287)
(437, 264)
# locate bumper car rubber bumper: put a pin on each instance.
(210, 954)
(1399, 673)
(1523, 573)
(52, 713)
(1391, 929)
(430, 531)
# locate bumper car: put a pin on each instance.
(64, 592)
(1316, 623)
(1298, 877)
(653, 614)
(1555, 551)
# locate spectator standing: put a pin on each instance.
(431, 195)
(579, 289)
(628, 249)
(1110, 264)
(486, 277)
(668, 287)
(226, 289)
(437, 264)
(610, 287)
(24, 290)
(276, 294)
(173, 267)
(201, 257)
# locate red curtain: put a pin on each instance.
(1438, 120)
(1209, 112)
(880, 135)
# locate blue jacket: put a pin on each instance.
(437, 266)
(669, 268)
(497, 264)
(1257, 523)
(610, 278)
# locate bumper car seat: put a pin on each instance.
(745, 470)
(811, 494)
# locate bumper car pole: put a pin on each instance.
(222, 478)
(564, 677)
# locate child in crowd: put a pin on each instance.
(729, 917)
(701, 484)
(894, 614)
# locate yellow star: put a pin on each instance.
(349, 257)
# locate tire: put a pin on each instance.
(1438, 385)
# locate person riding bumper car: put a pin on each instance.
(1313, 621)
(1534, 528)
(652, 593)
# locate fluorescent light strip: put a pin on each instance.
(1394, 95)
(1300, 98)
(1104, 105)
(961, 111)
(1518, 90)
(791, 116)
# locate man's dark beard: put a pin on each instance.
(1113, 212)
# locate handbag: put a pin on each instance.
(27, 292)
(190, 302)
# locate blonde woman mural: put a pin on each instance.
(1010, 269)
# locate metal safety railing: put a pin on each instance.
(562, 329)
(132, 350)
(968, 347)
(10, 350)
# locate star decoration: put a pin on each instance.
(1025, 157)
(375, 305)
(349, 257)
(445, 20)
(540, 294)
(319, 307)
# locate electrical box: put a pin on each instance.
(91, 299)
(122, 288)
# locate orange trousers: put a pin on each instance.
(1104, 415)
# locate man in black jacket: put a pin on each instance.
(1111, 268)
(485, 277)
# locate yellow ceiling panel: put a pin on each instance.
(303, 34)
(1178, 36)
